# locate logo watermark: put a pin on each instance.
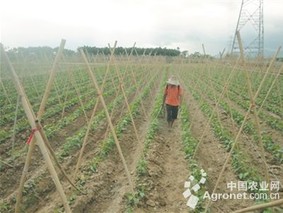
(235, 190)
(244, 190)
(241, 196)
(192, 186)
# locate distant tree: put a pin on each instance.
(31, 53)
(185, 53)
(195, 55)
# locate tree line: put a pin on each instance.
(134, 51)
(47, 51)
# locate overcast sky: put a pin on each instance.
(150, 23)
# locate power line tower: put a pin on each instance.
(251, 30)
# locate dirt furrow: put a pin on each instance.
(167, 172)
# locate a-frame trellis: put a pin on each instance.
(100, 95)
(36, 132)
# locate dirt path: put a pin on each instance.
(168, 170)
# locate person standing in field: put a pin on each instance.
(172, 98)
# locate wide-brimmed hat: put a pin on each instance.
(172, 80)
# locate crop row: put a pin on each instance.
(51, 129)
(240, 159)
(141, 169)
(240, 76)
(190, 143)
(237, 92)
(269, 145)
(74, 142)
(51, 112)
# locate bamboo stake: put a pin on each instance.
(112, 113)
(225, 87)
(4, 90)
(252, 101)
(141, 60)
(194, 87)
(260, 206)
(85, 140)
(65, 93)
(239, 132)
(31, 117)
(117, 91)
(91, 119)
(24, 174)
(15, 124)
(52, 153)
(39, 114)
(135, 82)
(57, 93)
(51, 79)
(127, 103)
(258, 111)
(128, 63)
(73, 82)
(34, 85)
(227, 99)
(109, 120)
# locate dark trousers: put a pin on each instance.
(172, 112)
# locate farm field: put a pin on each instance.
(229, 132)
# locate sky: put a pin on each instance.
(186, 24)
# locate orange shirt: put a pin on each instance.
(173, 95)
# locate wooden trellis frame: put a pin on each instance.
(134, 79)
(74, 84)
(93, 78)
(32, 144)
(93, 115)
(40, 141)
(225, 87)
(126, 100)
(119, 88)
